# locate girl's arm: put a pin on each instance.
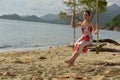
(96, 28)
(73, 22)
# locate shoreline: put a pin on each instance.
(49, 64)
(25, 49)
(38, 48)
(33, 48)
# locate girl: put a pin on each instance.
(81, 45)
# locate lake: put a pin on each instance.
(25, 35)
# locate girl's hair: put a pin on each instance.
(87, 11)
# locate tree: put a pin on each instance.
(91, 5)
(82, 5)
(95, 6)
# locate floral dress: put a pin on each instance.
(81, 45)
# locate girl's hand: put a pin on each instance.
(73, 14)
(97, 28)
(96, 31)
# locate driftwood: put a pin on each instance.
(103, 43)
(108, 40)
(105, 50)
(98, 46)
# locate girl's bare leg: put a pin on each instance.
(72, 59)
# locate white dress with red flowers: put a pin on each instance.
(81, 45)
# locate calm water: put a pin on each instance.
(21, 34)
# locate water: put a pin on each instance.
(22, 34)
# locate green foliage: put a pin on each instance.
(85, 4)
(115, 21)
(69, 3)
(61, 14)
(91, 5)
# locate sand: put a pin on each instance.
(49, 65)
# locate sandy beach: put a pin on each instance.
(49, 65)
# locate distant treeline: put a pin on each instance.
(35, 18)
(115, 21)
(24, 18)
(114, 24)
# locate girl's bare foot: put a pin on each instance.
(69, 63)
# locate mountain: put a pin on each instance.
(52, 18)
(104, 18)
(31, 18)
(11, 16)
(22, 18)
(111, 12)
(113, 7)
(114, 24)
(49, 17)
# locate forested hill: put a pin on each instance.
(49, 18)
(114, 24)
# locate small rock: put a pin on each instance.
(42, 57)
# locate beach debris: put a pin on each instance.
(69, 77)
(78, 78)
(36, 78)
(50, 47)
(18, 61)
(114, 54)
(1, 73)
(109, 63)
(113, 72)
(42, 57)
(65, 77)
(8, 74)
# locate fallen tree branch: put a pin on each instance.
(105, 50)
(108, 40)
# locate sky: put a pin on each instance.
(36, 7)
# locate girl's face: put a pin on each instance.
(86, 15)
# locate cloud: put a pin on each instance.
(30, 7)
(12, 6)
(45, 6)
(110, 2)
(35, 7)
